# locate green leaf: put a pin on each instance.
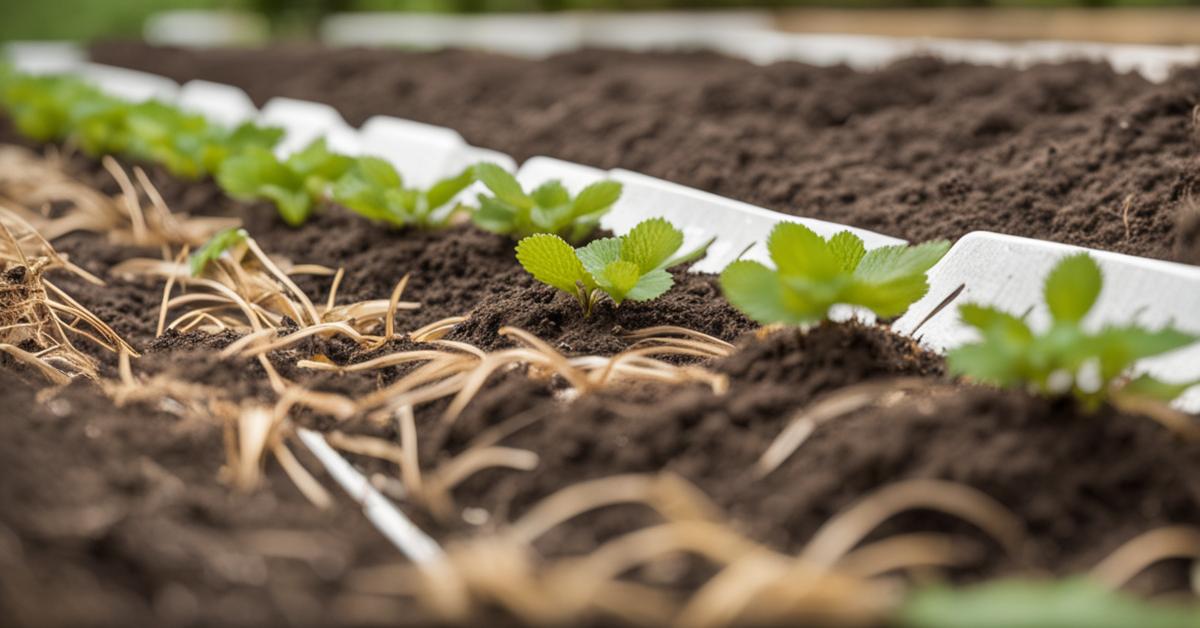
(650, 244)
(1072, 603)
(551, 194)
(598, 254)
(244, 175)
(1152, 388)
(295, 206)
(445, 190)
(887, 299)
(755, 290)
(495, 215)
(994, 322)
(317, 162)
(596, 198)
(848, 249)
(618, 278)
(1072, 287)
(503, 185)
(551, 261)
(690, 256)
(798, 250)
(651, 285)
(221, 241)
(889, 263)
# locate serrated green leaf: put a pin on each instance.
(551, 194)
(889, 263)
(994, 322)
(503, 185)
(1072, 603)
(596, 198)
(550, 219)
(495, 215)
(244, 175)
(598, 254)
(887, 299)
(552, 261)
(618, 278)
(316, 161)
(651, 243)
(651, 286)
(848, 249)
(221, 241)
(798, 250)
(1072, 287)
(755, 290)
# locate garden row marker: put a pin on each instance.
(422, 153)
(538, 34)
(1008, 271)
(43, 57)
(224, 104)
(380, 511)
(747, 35)
(130, 85)
(303, 121)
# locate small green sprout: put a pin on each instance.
(631, 267)
(547, 209)
(221, 241)
(373, 189)
(1066, 358)
(813, 274)
(294, 184)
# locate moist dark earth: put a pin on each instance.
(921, 149)
(116, 516)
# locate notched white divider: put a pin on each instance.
(538, 170)
(43, 57)
(381, 512)
(421, 152)
(1008, 272)
(303, 121)
(224, 104)
(701, 215)
(130, 85)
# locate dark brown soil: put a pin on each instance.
(1081, 484)
(921, 149)
(115, 517)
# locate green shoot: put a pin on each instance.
(813, 274)
(1066, 358)
(547, 209)
(294, 184)
(221, 241)
(1032, 604)
(373, 189)
(632, 267)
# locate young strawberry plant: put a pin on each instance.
(812, 275)
(372, 188)
(547, 209)
(293, 184)
(1066, 358)
(630, 267)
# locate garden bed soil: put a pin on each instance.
(921, 149)
(1080, 484)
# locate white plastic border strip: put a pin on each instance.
(1008, 272)
(380, 511)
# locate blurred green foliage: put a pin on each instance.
(90, 19)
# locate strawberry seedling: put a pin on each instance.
(547, 209)
(372, 188)
(630, 267)
(293, 184)
(812, 275)
(1066, 358)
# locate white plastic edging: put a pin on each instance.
(422, 153)
(1008, 272)
(43, 57)
(380, 511)
(223, 104)
(741, 228)
(302, 121)
(130, 85)
(206, 28)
